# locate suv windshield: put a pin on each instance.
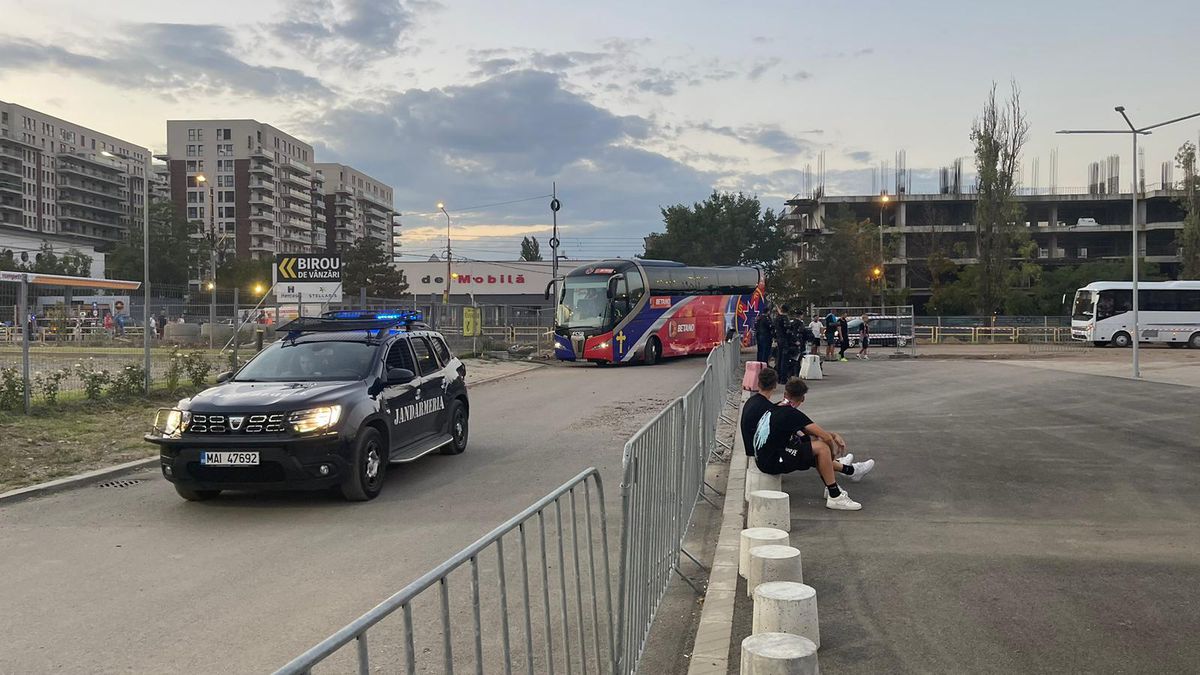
(318, 361)
(584, 302)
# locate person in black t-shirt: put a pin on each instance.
(763, 334)
(787, 440)
(756, 405)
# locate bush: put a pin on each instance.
(12, 389)
(50, 384)
(94, 381)
(198, 368)
(129, 382)
(174, 369)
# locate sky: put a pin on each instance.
(627, 106)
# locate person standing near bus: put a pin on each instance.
(762, 333)
(779, 331)
(787, 440)
(843, 330)
(864, 338)
(831, 326)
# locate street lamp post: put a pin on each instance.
(883, 200)
(446, 294)
(1134, 132)
(212, 261)
(145, 267)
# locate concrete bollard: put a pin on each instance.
(787, 607)
(770, 508)
(773, 563)
(757, 480)
(810, 368)
(758, 536)
(779, 654)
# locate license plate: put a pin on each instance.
(229, 458)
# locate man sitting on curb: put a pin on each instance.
(787, 440)
(758, 404)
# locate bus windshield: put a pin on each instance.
(584, 302)
(1082, 310)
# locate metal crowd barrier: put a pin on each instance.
(989, 334)
(663, 477)
(566, 609)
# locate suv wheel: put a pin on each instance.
(367, 468)
(459, 429)
(196, 495)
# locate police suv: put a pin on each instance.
(332, 404)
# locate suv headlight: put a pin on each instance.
(315, 419)
(171, 422)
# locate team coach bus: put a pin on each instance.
(622, 311)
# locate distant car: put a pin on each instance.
(332, 404)
(883, 333)
(1086, 222)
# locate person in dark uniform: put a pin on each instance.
(797, 339)
(843, 329)
(779, 330)
(763, 333)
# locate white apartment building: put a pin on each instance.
(66, 184)
(257, 188)
(356, 206)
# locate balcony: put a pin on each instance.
(259, 214)
(261, 201)
(10, 152)
(91, 204)
(17, 208)
(295, 166)
(260, 168)
(10, 187)
(374, 202)
(71, 169)
(261, 184)
(260, 153)
(67, 185)
(297, 180)
(263, 247)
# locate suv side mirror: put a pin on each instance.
(400, 376)
(225, 376)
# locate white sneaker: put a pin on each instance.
(861, 469)
(842, 502)
(866, 358)
(845, 459)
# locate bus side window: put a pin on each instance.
(633, 281)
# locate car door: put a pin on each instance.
(403, 399)
(433, 385)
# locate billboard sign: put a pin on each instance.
(307, 278)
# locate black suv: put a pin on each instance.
(330, 405)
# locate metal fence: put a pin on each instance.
(892, 328)
(992, 335)
(544, 608)
(663, 475)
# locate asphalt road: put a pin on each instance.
(1019, 520)
(136, 580)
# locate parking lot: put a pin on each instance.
(1020, 519)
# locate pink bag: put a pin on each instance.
(750, 379)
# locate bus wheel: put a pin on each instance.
(653, 351)
(1194, 341)
(1121, 339)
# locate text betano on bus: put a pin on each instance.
(622, 311)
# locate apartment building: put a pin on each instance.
(1069, 228)
(356, 206)
(249, 182)
(66, 184)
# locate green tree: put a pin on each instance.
(244, 273)
(72, 262)
(530, 249)
(843, 260)
(173, 249)
(366, 265)
(725, 229)
(999, 134)
(1188, 238)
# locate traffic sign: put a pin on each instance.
(307, 278)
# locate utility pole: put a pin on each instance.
(446, 294)
(555, 205)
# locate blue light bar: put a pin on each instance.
(366, 314)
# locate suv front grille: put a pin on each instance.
(258, 423)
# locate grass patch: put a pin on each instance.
(73, 437)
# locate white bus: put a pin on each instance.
(1168, 311)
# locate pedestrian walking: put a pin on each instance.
(864, 338)
(153, 326)
(762, 333)
(843, 329)
(831, 329)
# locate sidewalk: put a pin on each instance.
(481, 371)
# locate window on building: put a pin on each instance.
(192, 213)
(195, 197)
(224, 165)
(191, 182)
(191, 134)
(191, 150)
(226, 196)
(224, 181)
(224, 134)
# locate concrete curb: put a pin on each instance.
(501, 376)
(68, 482)
(710, 653)
(73, 481)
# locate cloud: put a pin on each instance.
(167, 59)
(862, 156)
(769, 136)
(509, 136)
(854, 54)
(350, 32)
(496, 66)
(760, 68)
(798, 76)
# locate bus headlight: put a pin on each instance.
(315, 419)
